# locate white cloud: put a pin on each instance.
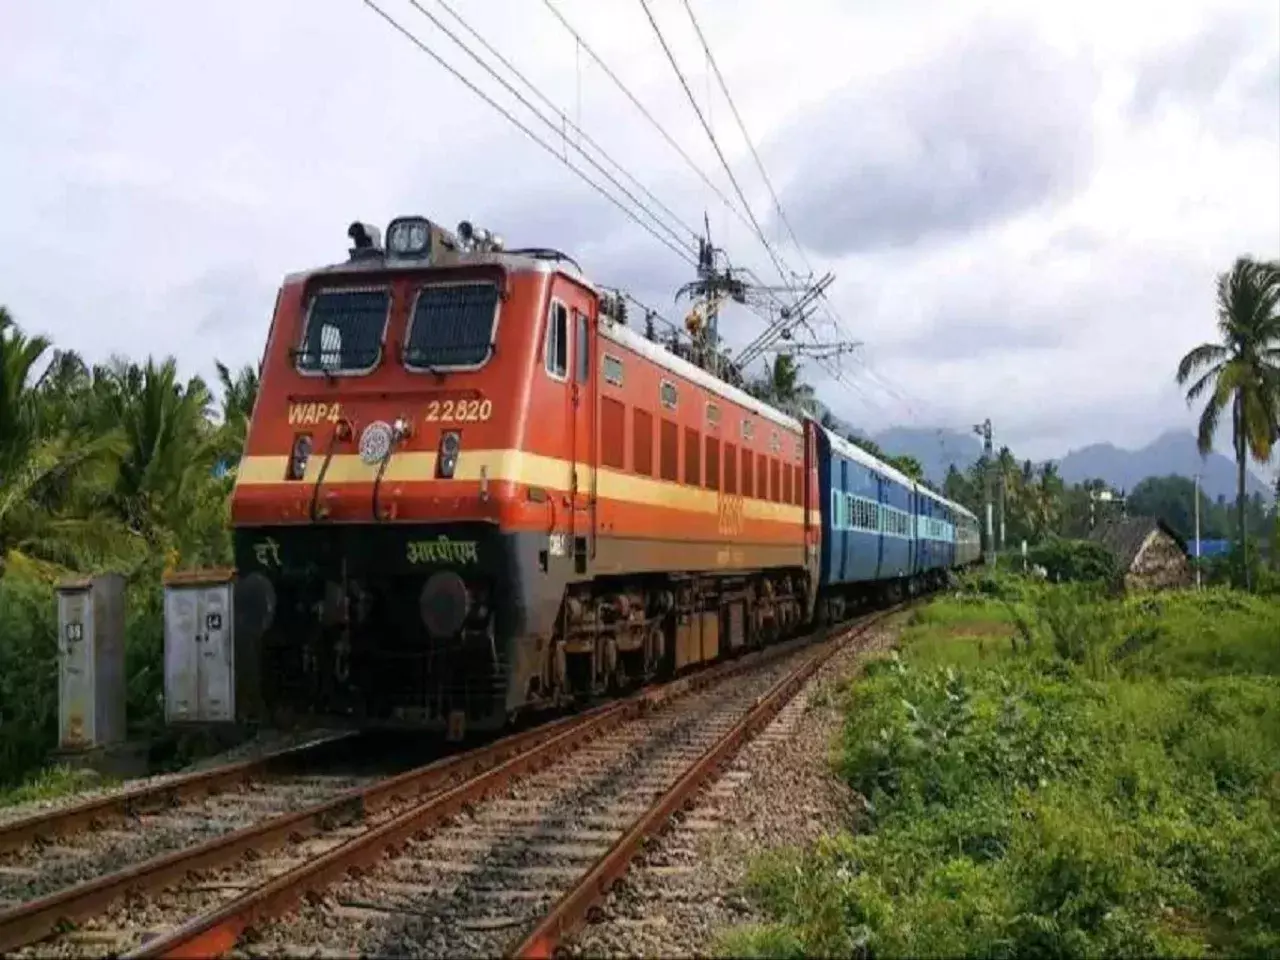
(164, 164)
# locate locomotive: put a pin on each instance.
(471, 492)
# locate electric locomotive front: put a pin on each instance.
(378, 570)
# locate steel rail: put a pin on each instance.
(217, 931)
(31, 921)
(571, 910)
(123, 804)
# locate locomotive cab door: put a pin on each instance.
(581, 418)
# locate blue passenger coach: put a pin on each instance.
(882, 533)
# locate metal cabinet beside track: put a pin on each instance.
(199, 647)
(91, 681)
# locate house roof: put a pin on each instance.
(1124, 538)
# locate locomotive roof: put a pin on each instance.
(512, 262)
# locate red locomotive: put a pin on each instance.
(471, 490)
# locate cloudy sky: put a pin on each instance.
(1025, 204)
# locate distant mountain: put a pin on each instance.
(1174, 452)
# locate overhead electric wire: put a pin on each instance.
(550, 123)
(693, 102)
(574, 126)
(677, 250)
(724, 88)
(644, 112)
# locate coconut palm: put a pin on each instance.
(1242, 370)
(239, 394)
(42, 458)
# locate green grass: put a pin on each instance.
(50, 783)
(1108, 785)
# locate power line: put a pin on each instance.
(693, 102)
(682, 254)
(644, 111)
(576, 128)
(515, 93)
(724, 88)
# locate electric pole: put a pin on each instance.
(983, 430)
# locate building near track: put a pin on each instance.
(1147, 551)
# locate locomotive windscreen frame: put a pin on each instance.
(452, 326)
(344, 331)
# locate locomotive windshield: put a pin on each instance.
(344, 331)
(452, 326)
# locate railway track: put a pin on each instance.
(512, 841)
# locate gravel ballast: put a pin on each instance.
(780, 790)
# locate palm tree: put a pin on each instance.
(239, 393)
(1242, 370)
(42, 458)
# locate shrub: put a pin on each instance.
(1111, 792)
(1074, 560)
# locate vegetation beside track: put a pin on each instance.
(1049, 770)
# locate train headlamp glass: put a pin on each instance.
(299, 456)
(447, 461)
(409, 237)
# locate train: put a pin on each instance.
(471, 492)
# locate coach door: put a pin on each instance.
(582, 410)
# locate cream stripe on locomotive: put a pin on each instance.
(514, 466)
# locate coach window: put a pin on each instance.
(557, 348)
(582, 366)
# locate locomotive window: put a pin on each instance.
(452, 326)
(667, 393)
(583, 355)
(748, 428)
(713, 414)
(344, 331)
(611, 367)
(557, 346)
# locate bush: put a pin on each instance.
(29, 668)
(1109, 791)
(28, 675)
(1074, 560)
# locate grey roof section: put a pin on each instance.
(1124, 538)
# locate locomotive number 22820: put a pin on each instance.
(459, 411)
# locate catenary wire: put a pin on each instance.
(574, 126)
(549, 123)
(683, 254)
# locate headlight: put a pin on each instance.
(299, 456)
(450, 444)
(409, 237)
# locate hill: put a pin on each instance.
(1173, 452)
